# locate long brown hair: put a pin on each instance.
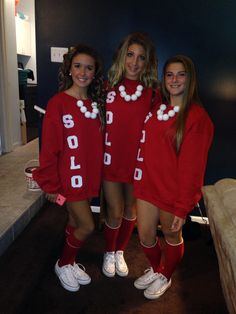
(190, 94)
(117, 71)
(96, 91)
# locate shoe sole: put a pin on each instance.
(108, 274)
(122, 274)
(84, 282)
(143, 287)
(68, 288)
(139, 287)
(156, 296)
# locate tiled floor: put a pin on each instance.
(17, 204)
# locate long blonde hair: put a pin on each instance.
(117, 71)
(190, 94)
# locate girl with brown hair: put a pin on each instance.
(170, 170)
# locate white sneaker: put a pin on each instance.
(67, 277)
(120, 264)
(80, 274)
(157, 288)
(145, 280)
(108, 267)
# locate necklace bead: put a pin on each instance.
(84, 110)
(132, 97)
(161, 116)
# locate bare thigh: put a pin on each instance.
(129, 200)
(81, 215)
(113, 193)
(166, 220)
(147, 218)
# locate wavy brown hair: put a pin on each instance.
(96, 91)
(117, 71)
(190, 94)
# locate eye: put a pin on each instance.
(77, 65)
(90, 67)
(182, 74)
(129, 54)
(169, 75)
(143, 58)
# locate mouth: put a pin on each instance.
(175, 85)
(133, 69)
(82, 79)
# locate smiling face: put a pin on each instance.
(82, 70)
(175, 79)
(135, 61)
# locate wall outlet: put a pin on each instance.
(57, 54)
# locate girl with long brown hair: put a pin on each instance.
(72, 154)
(170, 170)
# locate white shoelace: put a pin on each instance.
(110, 257)
(120, 258)
(79, 268)
(68, 271)
(159, 283)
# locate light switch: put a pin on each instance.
(57, 54)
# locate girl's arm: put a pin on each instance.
(192, 162)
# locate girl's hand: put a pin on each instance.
(177, 224)
(51, 197)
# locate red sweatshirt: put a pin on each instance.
(169, 181)
(72, 150)
(123, 130)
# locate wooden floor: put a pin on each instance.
(28, 284)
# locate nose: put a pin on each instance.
(82, 71)
(174, 77)
(135, 60)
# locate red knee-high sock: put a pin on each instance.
(153, 254)
(70, 250)
(125, 232)
(173, 254)
(110, 235)
(69, 229)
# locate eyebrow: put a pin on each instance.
(141, 54)
(75, 63)
(183, 71)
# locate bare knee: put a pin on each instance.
(172, 237)
(147, 237)
(84, 231)
(130, 212)
(148, 241)
(114, 216)
(88, 228)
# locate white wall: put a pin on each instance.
(10, 131)
(28, 8)
(9, 98)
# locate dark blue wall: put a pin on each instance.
(204, 30)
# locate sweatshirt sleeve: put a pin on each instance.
(192, 162)
(47, 175)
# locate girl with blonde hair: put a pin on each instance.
(131, 92)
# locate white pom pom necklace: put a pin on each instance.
(84, 110)
(134, 96)
(161, 116)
